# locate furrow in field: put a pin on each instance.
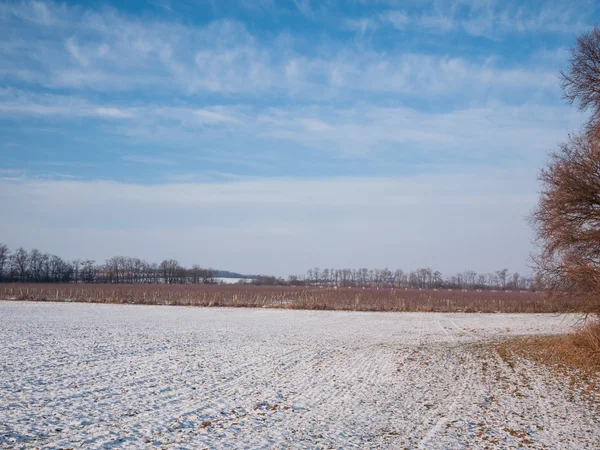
(109, 376)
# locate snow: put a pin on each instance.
(126, 376)
(224, 280)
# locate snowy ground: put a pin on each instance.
(224, 280)
(118, 376)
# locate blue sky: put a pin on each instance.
(273, 136)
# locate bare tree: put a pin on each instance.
(113, 269)
(76, 266)
(469, 278)
(501, 277)
(18, 263)
(36, 265)
(170, 270)
(567, 220)
(89, 271)
(153, 273)
(4, 256)
(208, 276)
(581, 83)
(438, 280)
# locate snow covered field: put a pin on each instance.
(119, 376)
(232, 280)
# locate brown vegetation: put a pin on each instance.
(349, 299)
(567, 221)
(579, 350)
(567, 218)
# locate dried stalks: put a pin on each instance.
(348, 299)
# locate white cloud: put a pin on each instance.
(440, 24)
(37, 12)
(144, 159)
(490, 19)
(31, 109)
(113, 112)
(304, 7)
(109, 52)
(360, 25)
(398, 19)
(472, 132)
(75, 52)
(554, 55)
(357, 130)
(231, 97)
(206, 116)
(469, 219)
(17, 102)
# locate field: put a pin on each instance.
(124, 376)
(346, 299)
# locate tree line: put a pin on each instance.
(34, 266)
(424, 278)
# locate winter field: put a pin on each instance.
(131, 376)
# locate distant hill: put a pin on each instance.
(228, 274)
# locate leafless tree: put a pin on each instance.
(567, 220)
(581, 83)
(4, 256)
(113, 269)
(194, 274)
(567, 217)
(76, 266)
(36, 263)
(153, 273)
(208, 276)
(501, 277)
(170, 270)
(469, 278)
(38, 267)
(18, 264)
(89, 271)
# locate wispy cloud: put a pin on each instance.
(107, 51)
(75, 52)
(489, 19)
(304, 7)
(207, 116)
(37, 12)
(18, 102)
(113, 112)
(142, 159)
(268, 127)
(352, 131)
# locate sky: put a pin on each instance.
(271, 136)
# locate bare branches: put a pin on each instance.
(37, 267)
(581, 84)
(567, 218)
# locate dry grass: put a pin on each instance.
(314, 297)
(579, 350)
